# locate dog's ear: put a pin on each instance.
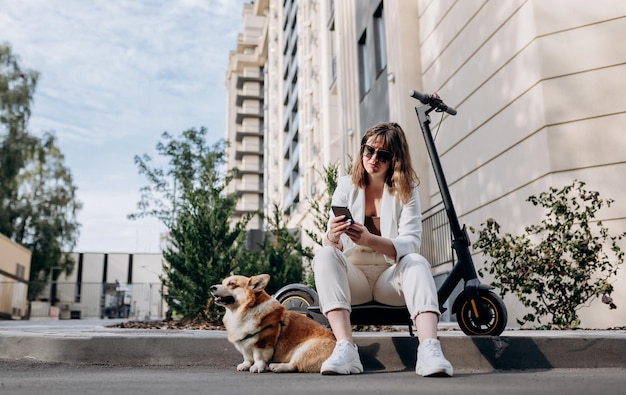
(258, 283)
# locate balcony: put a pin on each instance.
(246, 131)
(249, 74)
(248, 94)
(248, 112)
(249, 188)
(246, 206)
(248, 168)
(248, 149)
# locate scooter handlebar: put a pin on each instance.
(432, 100)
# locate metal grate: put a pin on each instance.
(437, 238)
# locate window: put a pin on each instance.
(20, 271)
(364, 81)
(333, 56)
(380, 41)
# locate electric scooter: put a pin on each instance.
(479, 311)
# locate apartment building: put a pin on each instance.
(246, 113)
(538, 93)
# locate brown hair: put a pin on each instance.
(400, 178)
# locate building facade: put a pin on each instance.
(14, 276)
(538, 93)
(105, 285)
(245, 114)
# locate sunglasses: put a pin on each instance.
(382, 155)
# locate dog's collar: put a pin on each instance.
(249, 335)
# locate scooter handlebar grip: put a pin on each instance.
(424, 98)
(450, 110)
(433, 100)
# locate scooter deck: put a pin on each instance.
(375, 314)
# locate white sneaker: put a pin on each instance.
(430, 360)
(343, 360)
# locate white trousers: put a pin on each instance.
(365, 276)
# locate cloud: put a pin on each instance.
(105, 227)
(97, 57)
(114, 75)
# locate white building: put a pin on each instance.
(538, 87)
(112, 285)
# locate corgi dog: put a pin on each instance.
(266, 333)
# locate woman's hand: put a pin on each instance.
(359, 234)
(338, 226)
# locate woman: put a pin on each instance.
(376, 257)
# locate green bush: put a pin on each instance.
(281, 254)
(558, 266)
(321, 201)
(188, 195)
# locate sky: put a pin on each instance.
(114, 75)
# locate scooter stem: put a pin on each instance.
(460, 241)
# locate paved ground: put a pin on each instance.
(92, 342)
(31, 378)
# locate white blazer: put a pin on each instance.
(402, 223)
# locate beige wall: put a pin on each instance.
(539, 94)
(13, 288)
(404, 72)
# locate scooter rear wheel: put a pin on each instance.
(296, 300)
(493, 324)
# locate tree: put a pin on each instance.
(190, 198)
(558, 266)
(17, 87)
(38, 205)
(45, 213)
(320, 203)
(281, 254)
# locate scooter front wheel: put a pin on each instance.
(491, 324)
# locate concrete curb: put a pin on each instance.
(389, 351)
(123, 351)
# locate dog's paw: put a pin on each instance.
(258, 367)
(282, 368)
(244, 366)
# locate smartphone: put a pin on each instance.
(341, 210)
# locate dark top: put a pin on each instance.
(373, 225)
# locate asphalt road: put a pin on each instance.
(33, 378)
